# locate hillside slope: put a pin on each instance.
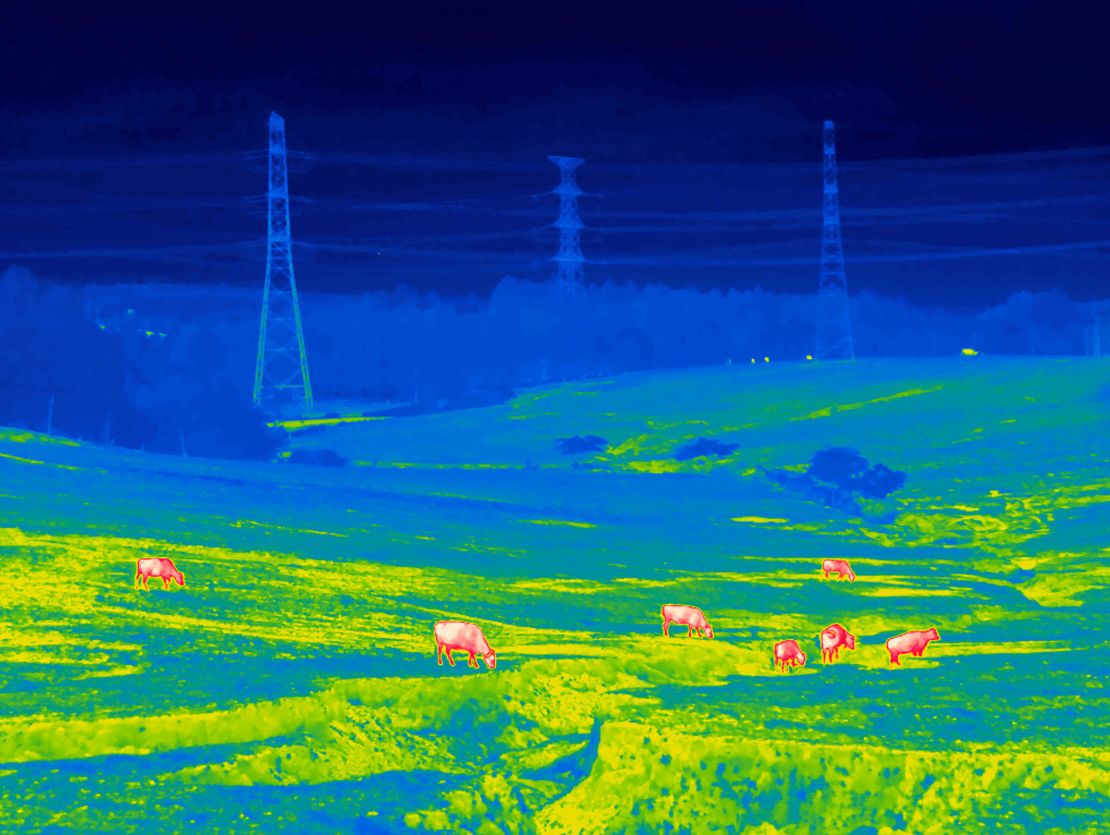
(292, 684)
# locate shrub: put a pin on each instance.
(835, 475)
(880, 481)
(848, 470)
(317, 457)
(581, 443)
(841, 466)
(704, 447)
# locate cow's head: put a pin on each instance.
(708, 631)
(850, 640)
(802, 655)
(933, 635)
(491, 659)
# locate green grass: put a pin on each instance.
(292, 684)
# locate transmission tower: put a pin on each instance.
(568, 260)
(834, 324)
(281, 372)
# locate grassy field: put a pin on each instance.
(291, 685)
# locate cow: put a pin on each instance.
(841, 567)
(452, 634)
(158, 567)
(788, 652)
(689, 616)
(911, 643)
(832, 638)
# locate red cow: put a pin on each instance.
(788, 652)
(689, 616)
(841, 567)
(912, 643)
(832, 638)
(158, 567)
(452, 634)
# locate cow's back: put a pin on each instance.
(909, 640)
(459, 634)
(677, 613)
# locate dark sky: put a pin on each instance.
(126, 144)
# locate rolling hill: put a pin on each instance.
(291, 684)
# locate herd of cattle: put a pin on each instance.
(451, 636)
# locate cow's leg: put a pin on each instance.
(689, 630)
(165, 582)
(145, 578)
(826, 574)
(439, 653)
(449, 658)
(472, 661)
(666, 624)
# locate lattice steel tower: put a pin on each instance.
(568, 260)
(834, 323)
(281, 372)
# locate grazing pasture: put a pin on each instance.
(292, 682)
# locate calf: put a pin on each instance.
(832, 638)
(911, 643)
(841, 567)
(788, 652)
(452, 634)
(689, 616)
(158, 567)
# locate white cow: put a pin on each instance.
(689, 616)
(452, 634)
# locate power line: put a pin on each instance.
(73, 163)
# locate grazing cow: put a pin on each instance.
(841, 567)
(832, 638)
(788, 652)
(689, 616)
(158, 567)
(452, 634)
(911, 643)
